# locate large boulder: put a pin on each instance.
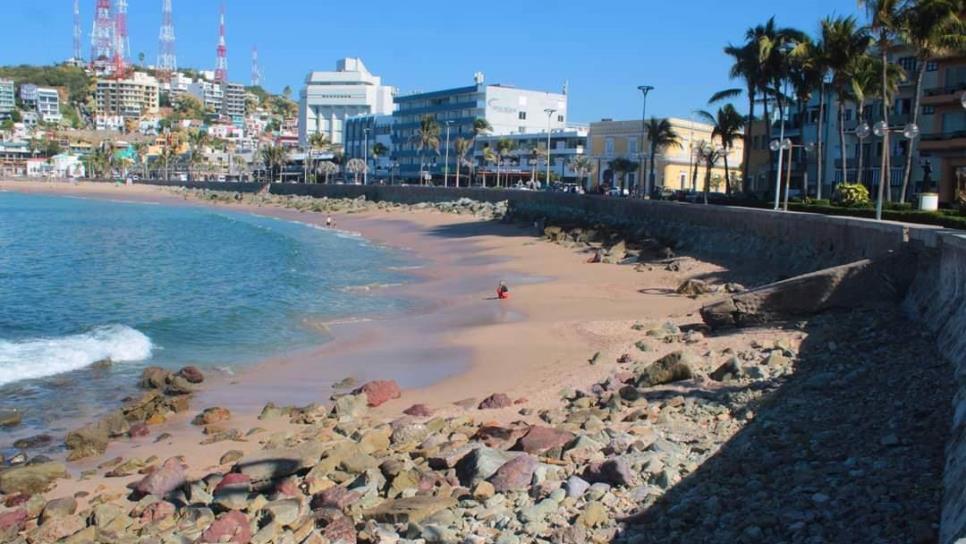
(154, 377)
(379, 392)
(10, 418)
(192, 373)
(278, 463)
(216, 414)
(614, 471)
(409, 510)
(89, 440)
(540, 439)
(31, 479)
(168, 477)
(480, 464)
(515, 474)
(496, 401)
(231, 527)
(672, 367)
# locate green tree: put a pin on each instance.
(728, 125)
(807, 73)
(275, 157)
(933, 28)
(489, 157)
(661, 136)
(885, 17)
(327, 168)
(844, 42)
(537, 153)
(864, 74)
(582, 165)
(356, 167)
(462, 146)
(622, 166)
(504, 149)
(710, 155)
(745, 66)
(426, 141)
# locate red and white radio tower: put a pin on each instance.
(221, 66)
(256, 69)
(102, 35)
(121, 43)
(77, 31)
(167, 61)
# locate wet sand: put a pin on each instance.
(463, 344)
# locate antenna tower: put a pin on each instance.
(256, 69)
(121, 44)
(167, 61)
(102, 35)
(77, 31)
(221, 65)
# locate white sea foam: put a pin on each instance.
(41, 357)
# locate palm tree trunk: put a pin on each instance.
(767, 140)
(907, 173)
(860, 162)
(845, 160)
(819, 148)
(885, 180)
(650, 176)
(746, 152)
(727, 173)
(707, 181)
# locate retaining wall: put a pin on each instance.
(790, 242)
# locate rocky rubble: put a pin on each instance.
(462, 206)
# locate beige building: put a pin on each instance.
(676, 168)
(133, 97)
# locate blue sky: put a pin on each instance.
(604, 48)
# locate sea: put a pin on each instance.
(92, 291)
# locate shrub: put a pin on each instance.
(852, 195)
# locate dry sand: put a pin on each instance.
(465, 345)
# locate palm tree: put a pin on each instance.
(317, 142)
(844, 43)
(661, 136)
(378, 150)
(504, 149)
(728, 125)
(622, 166)
(327, 168)
(481, 127)
(747, 67)
(932, 28)
(426, 139)
(489, 157)
(538, 151)
(865, 84)
(356, 167)
(808, 70)
(275, 157)
(462, 146)
(197, 140)
(710, 155)
(886, 18)
(582, 165)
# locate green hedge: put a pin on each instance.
(945, 218)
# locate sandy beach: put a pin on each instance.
(466, 345)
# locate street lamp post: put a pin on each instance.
(365, 156)
(881, 129)
(549, 112)
(787, 144)
(650, 183)
(781, 139)
(446, 159)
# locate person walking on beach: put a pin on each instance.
(502, 292)
(329, 222)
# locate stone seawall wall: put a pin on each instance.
(791, 243)
(938, 299)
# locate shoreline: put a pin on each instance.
(530, 347)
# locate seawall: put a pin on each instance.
(787, 242)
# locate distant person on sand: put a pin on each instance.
(328, 222)
(502, 292)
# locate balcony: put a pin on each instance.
(944, 141)
(943, 95)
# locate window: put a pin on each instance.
(684, 179)
(848, 115)
(908, 64)
(932, 66)
(560, 118)
(928, 110)
(632, 146)
(522, 115)
(609, 147)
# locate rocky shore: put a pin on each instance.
(829, 429)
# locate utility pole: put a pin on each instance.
(365, 156)
(549, 112)
(648, 187)
(446, 159)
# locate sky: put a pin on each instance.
(604, 49)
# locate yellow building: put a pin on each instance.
(133, 97)
(676, 168)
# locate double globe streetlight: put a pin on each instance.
(910, 132)
(781, 147)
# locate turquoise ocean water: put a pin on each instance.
(85, 280)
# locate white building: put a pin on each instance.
(48, 105)
(210, 94)
(178, 85)
(233, 105)
(508, 110)
(7, 100)
(329, 98)
(133, 97)
(523, 164)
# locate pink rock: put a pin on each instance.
(418, 410)
(503, 438)
(495, 401)
(170, 476)
(288, 487)
(334, 497)
(521, 400)
(540, 439)
(340, 529)
(212, 415)
(16, 500)
(192, 374)
(515, 474)
(229, 527)
(234, 479)
(13, 521)
(139, 430)
(380, 391)
(157, 511)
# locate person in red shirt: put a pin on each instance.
(502, 292)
